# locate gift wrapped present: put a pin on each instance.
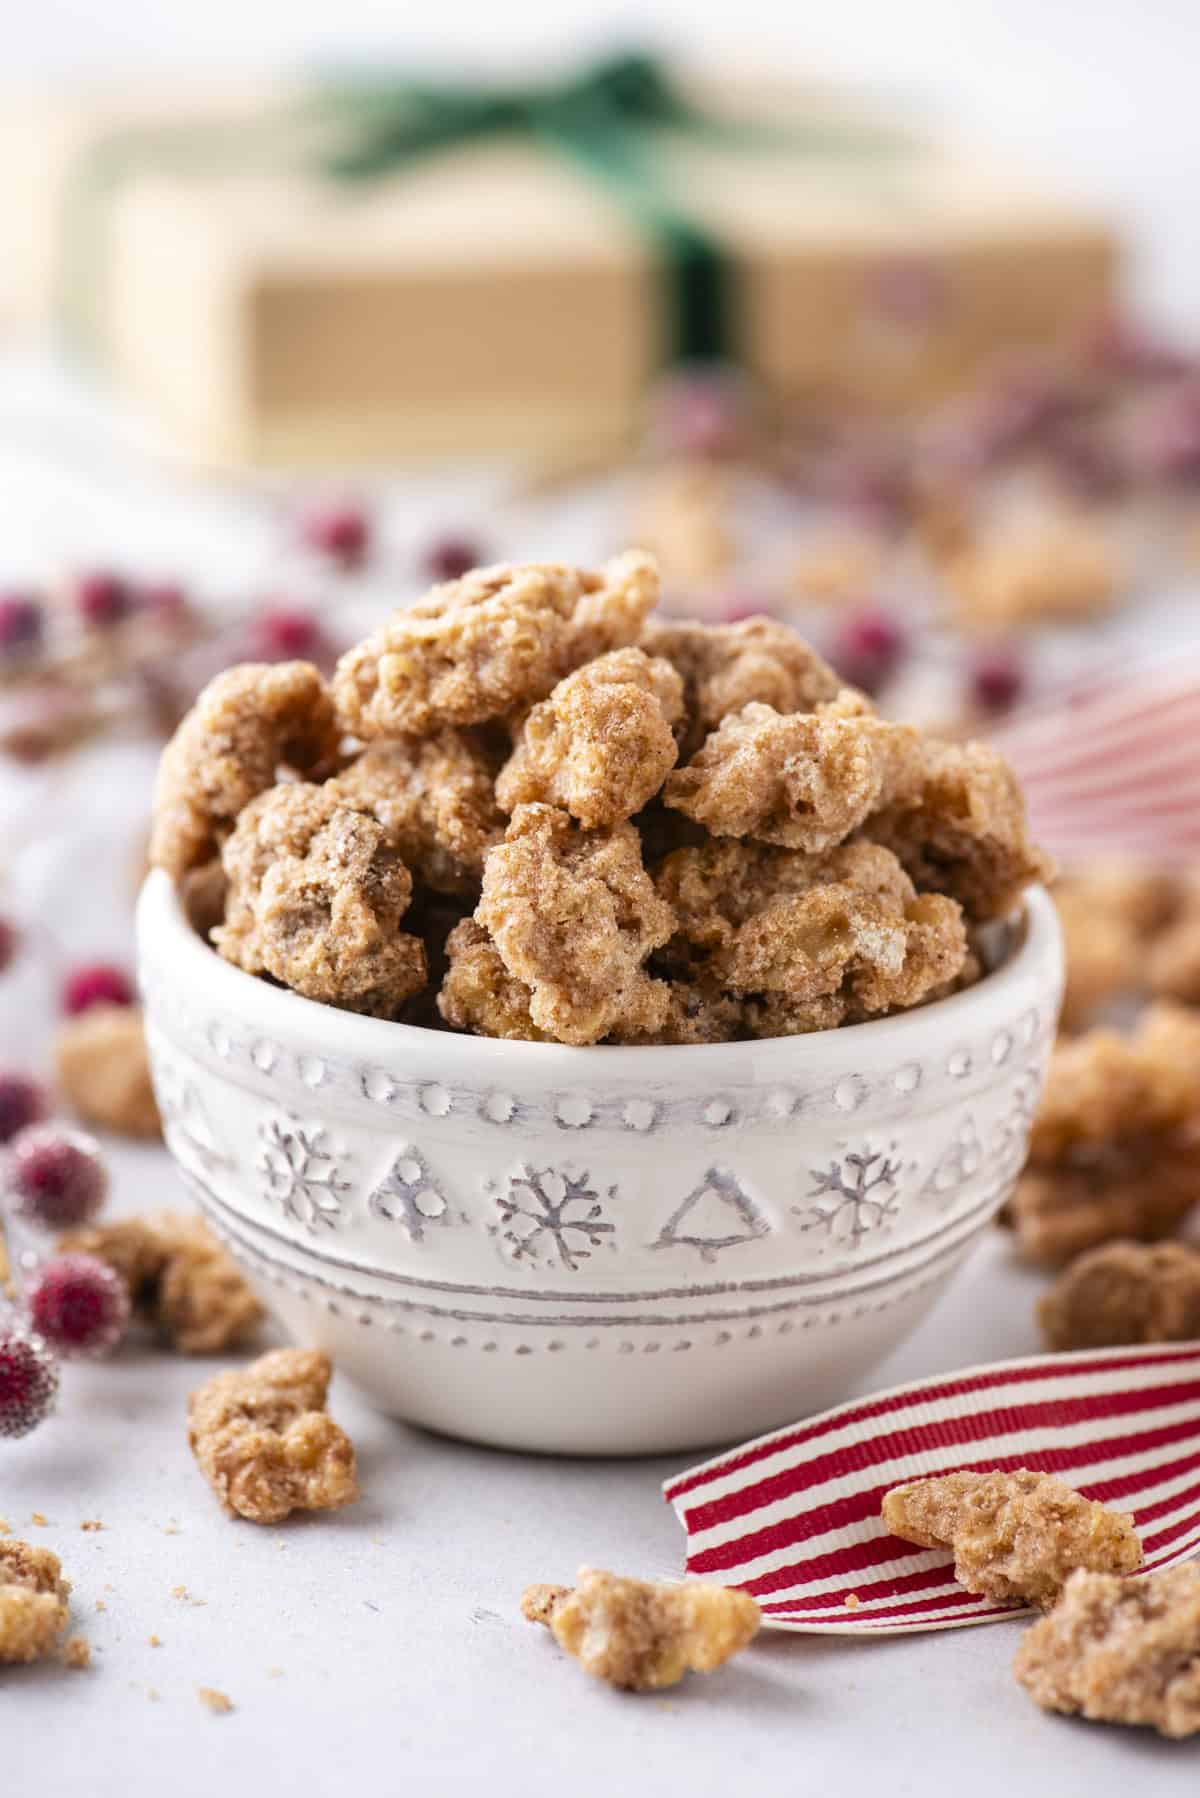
(372, 269)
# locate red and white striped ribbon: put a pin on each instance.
(794, 1517)
(1113, 769)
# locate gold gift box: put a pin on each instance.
(492, 298)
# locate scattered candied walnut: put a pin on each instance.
(316, 895)
(685, 520)
(1102, 1086)
(1013, 1535)
(574, 916)
(1172, 963)
(962, 831)
(33, 1602)
(1120, 1651)
(602, 744)
(180, 1279)
(1104, 956)
(1064, 572)
(483, 646)
(728, 666)
(835, 570)
(434, 797)
(103, 1072)
(479, 994)
(1123, 1293)
(641, 1637)
(247, 723)
(219, 1703)
(265, 1442)
(801, 780)
(77, 1654)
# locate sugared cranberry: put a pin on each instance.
(22, 624)
(449, 558)
(23, 1101)
(282, 633)
(343, 533)
(868, 649)
(28, 1381)
(97, 983)
(79, 1305)
(56, 1177)
(997, 679)
(1167, 439)
(102, 598)
(700, 413)
(10, 942)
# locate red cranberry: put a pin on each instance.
(23, 1101)
(102, 598)
(868, 649)
(28, 1381)
(449, 558)
(282, 633)
(10, 942)
(22, 624)
(57, 1177)
(97, 983)
(343, 533)
(997, 679)
(79, 1304)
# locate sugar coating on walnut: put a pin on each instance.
(1120, 1651)
(103, 1071)
(574, 915)
(728, 666)
(478, 994)
(1173, 952)
(641, 1636)
(1014, 1536)
(1124, 1293)
(316, 895)
(180, 1279)
(802, 780)
(484, 646)
(435, 798)
(601, 744)
(1103, 955)
(265, 1442)
(1115, 917)
(33, 1603)
(1066, 572)
(247, 724)
(960, 829)
(698, 1011)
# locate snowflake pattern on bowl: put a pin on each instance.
(550, 1216)
(299, 1172)
(854, 1196)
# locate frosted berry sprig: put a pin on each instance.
(29, 1379)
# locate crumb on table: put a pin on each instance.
(219, 1703)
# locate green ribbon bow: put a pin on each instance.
(610, 119)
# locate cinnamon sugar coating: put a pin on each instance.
(316, 895)
(435, 798)
(802, 780)
(483, 646)
(1125, 928)
(602, 744)
(961, 829)
(1068, 572)
(728, 666)
(641, 1637)
(1014, 1536)
(1173, 956)
(103, 1072)
(1115, 1146)
(478, 994)
(698, 1011)
(1103, 954)
(1122, 1293)
(247, 724)
(574, 915)
(181, 1281)
(33, 1603)
(1120, 1651)
(265, 1442)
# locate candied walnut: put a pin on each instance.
(962, 830)
(202, 893)
(1120, 1651)
(728, 666)
(1124, 1292)
(1065, 572)
(1104, 956)
(802, 780)
(181, 1281)
(265, 1442)
(698, 1011)
(837, 569)
(480, 647)
(33, 1602)
(1013, 1535)
(434, 797)
(479, 994)
(1172, 962)
(247, 724)
(316, 894)
(602, 744)
(574, 916)
(1102, 1086)
(641, 1637)
(103, 1073)
(684, 519)
(1142, 1189)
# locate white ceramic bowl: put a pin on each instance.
(594, 1251)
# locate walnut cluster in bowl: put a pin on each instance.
(527, 808)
